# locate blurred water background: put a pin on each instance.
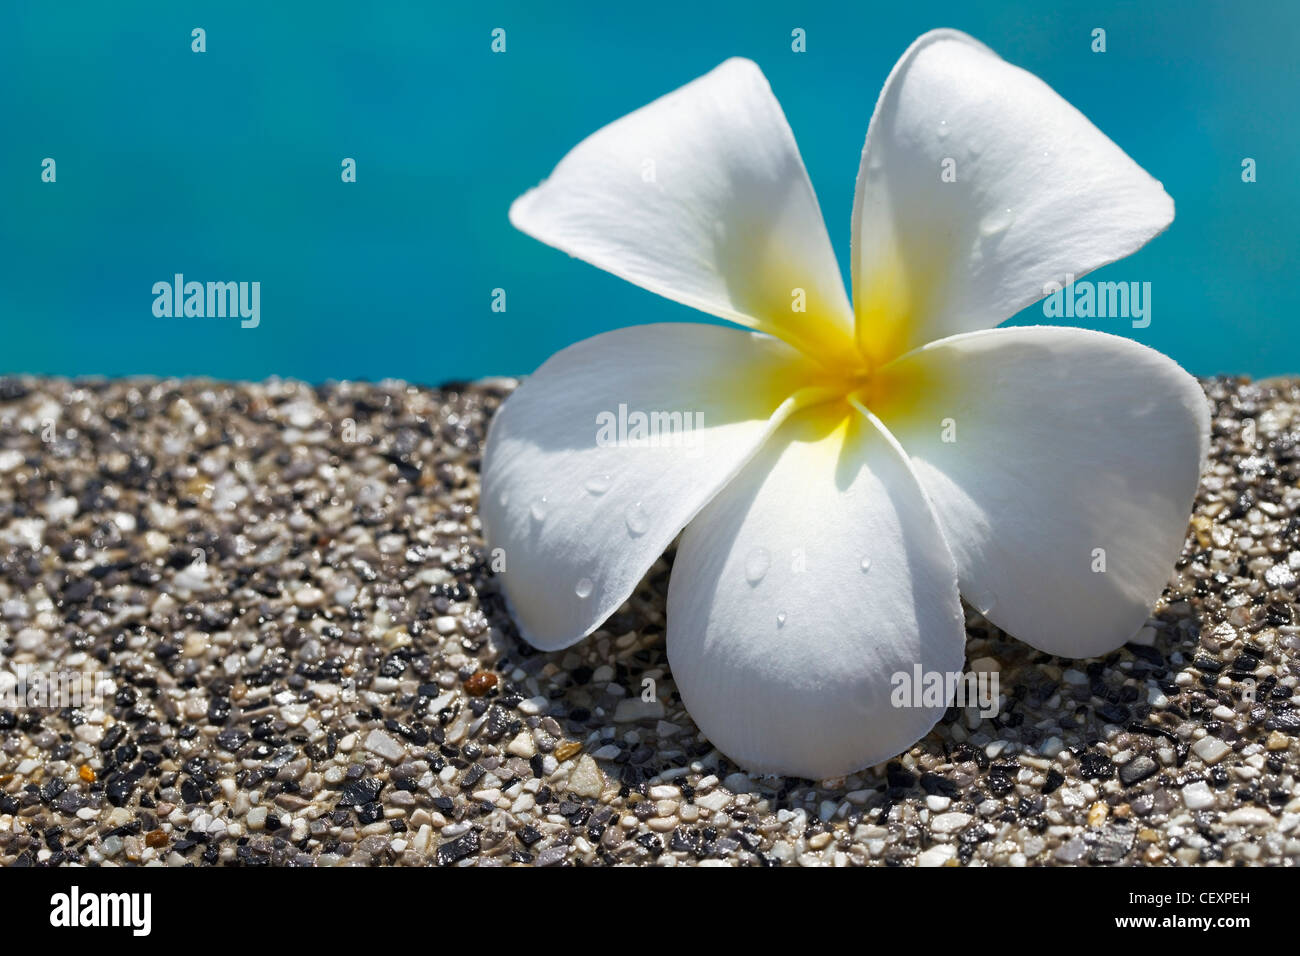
(225, 165)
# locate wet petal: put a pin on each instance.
(578, 512)
(800, 592)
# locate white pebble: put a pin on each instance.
(523, 745)
(949, 822)
(1198, 796)
(383, 745)
(1211, 749)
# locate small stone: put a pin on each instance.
(464, 845)
(1097, 813)
(566, 750)
(634, 708)
(1138, 769)
(383, 745)
(1211, 749)
(738, 783)
(480, 682)
(534, 706)
(1277, 741)
(1113, 844)
(1249, 816)
(1280, 576)
(938, 855)
(1071, 851)
(949, 822)
(586, 780)
(309, 597)
(1198, 796)
(714, 801)
(552, 856)
(523, 745)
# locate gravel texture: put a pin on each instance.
(308, 663)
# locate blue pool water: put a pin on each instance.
(225, 166)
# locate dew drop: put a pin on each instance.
(996, 223)
(583, 588)
(756, 565)
(780, 619)
(598, 484)
(504, 499)
(943, 130)
(538, 508)
(637, 519)
(865, 564)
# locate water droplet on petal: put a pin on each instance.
(780, 619)
(538, 508)
(598, 484)
(943, 129)
(504, 498)
(865, 564)
(996, 223)
(637, 519)
(756, 565)
(583, 588)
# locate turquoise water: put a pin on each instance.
(225, 166)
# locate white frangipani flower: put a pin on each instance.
(829, 514)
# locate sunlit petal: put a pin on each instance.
(978, 186)
(799, 593)
(1062, 464)
(576, 512)
(701, 196)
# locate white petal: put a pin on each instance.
(702, 197)
(802, 590)
(1040, 192)
(578, 521)
(1063, 442)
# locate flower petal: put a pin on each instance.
(811, 580)
(579, 515)
(1039, 192)
(1062, 464)
(702, 197)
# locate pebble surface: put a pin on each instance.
(308, 662)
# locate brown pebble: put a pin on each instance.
(566, 750)
(480, 682)
(155, 838)
(86, 774)
(1201, 526)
